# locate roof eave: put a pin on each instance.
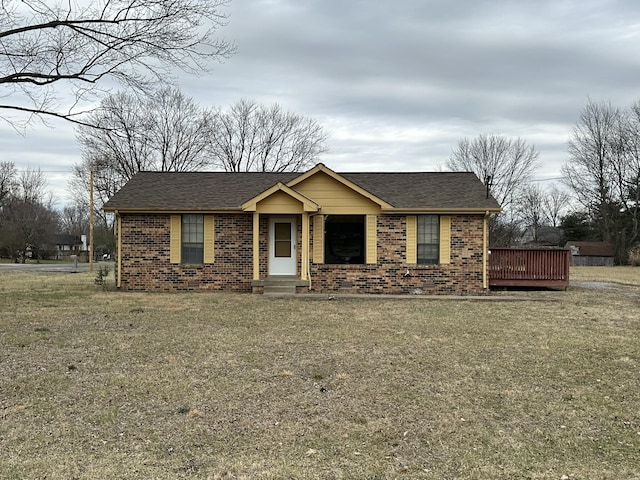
(434, 210)
(171, 210)
(307, 204)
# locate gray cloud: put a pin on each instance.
(399, 83)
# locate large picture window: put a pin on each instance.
(344, 239)
(428, 239)
(193, 238)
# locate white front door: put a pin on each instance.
(282, 246)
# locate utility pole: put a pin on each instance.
(91, 217)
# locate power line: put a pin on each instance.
(546, 179)
(44, 171)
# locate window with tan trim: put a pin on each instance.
(192, 239)
(428, 239)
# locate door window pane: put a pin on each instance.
(282, 234)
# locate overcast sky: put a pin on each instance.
(397, 84)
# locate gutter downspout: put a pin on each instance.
(485, 250)
(256, 246)
(119, 249)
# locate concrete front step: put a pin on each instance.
(280, 284)
(281, 280)
(279, 290)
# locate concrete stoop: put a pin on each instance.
(279, 285)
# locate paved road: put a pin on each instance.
(51, 267)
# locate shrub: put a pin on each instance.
(634, 256)
(101, 276)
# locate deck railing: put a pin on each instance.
(525, 267)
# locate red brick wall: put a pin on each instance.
(146, 266)
(462, 276)
(145, 256)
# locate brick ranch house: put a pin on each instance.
(317, 231)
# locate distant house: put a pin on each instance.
(67, 245)
(544, 236)
(315, 231)
(593, 254)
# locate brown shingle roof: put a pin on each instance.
(227, 190)
(593, 249)
(456, 190)
(193, 190)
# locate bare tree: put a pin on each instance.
(165, 131)
(32, 187)
(530, 210)
(555, 205)
(604, 171)
(28, 218)
(74, 220)
(8, 183)
(120, 143)
(540, 211)
(590, 172)
(8, 186)
(628, 173)
(253, 137)
(504, 165)
(106, 184)
(28, 227)
(52, 47)
(179, 132)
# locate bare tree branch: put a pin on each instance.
(165, 131)
(504, 165)
(604, 171)
(50, 48)
(253, 137)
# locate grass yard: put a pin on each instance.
(626, 275)
(105, 385)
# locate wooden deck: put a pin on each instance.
(524, 267)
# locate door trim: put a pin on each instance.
(283, 265)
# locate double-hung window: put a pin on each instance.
(428, 236)
(193, 238)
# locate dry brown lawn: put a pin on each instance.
(107, 385)
(624, 275)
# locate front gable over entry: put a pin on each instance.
(318, 190)
(335, 194)
(280, 199)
